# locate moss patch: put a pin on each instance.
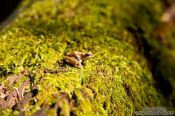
(115, 81)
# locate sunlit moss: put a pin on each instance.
(115, 81)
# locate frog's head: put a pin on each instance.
(87, 55)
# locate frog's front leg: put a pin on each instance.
(73, 61)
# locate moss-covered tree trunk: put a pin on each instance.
(131, 69)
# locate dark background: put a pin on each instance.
(7, 7)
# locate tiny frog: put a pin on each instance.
(76, 58)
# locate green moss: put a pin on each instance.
(115, 81)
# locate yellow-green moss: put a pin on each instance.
(115, 81)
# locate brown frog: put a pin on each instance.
(76, 58)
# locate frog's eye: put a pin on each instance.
(88, 55)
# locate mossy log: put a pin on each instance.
(117, 80)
